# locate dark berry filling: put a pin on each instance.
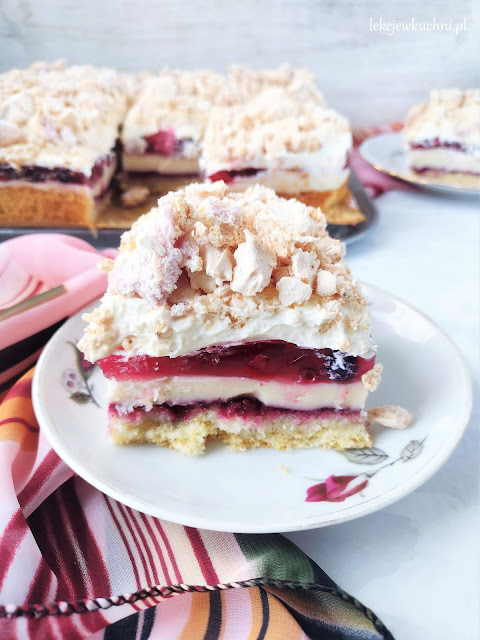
(165, 143)
(272, 360)
(436, 143)
(244, 407)
(229, 176)
(33, 173)
(442, 172)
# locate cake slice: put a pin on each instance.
(163, 131)
(232, 316)
(442, 136)
(58, 133)
(299, 149)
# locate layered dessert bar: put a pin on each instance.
(232, 316)
(299, 149)
(163, 131)
(442, 136)
(58, 134)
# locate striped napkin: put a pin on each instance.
(77, 564)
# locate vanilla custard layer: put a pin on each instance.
(157, 163)
(293, 181)
(184, 390)
(445, 160)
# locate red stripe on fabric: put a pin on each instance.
(22, 389)
(154, 537)
(150, 572)
(126, 544)
(37, 481)
(41, 583)
(202, 556)
(38, 593)
(93, 558)
(168, 546)
(22, 421)
(10, 541)
(73, 570)
(124, 510)
(67, 629)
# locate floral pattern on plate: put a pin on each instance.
(339, 488)
(77, 381)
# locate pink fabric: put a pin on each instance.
(374, 182)
(34, 263)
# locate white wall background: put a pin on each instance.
(370, 76)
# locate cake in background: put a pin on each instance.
(442, 136)
(297, 147)
(232, 316)
(242, 84)
(59, 127)
(163, 131)
(62, 129)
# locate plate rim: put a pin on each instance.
(365, 508)
(414, 180)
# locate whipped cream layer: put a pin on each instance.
(157, 163)
(444, 159)
(141, 328)
(330, 158)
(185, 390)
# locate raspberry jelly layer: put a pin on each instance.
(249, 410)
(272, 360)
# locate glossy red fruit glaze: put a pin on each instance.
(163, 141)
(269, 360)
(229, 176)
(248, 409)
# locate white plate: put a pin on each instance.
(386, 153)
(264, 490)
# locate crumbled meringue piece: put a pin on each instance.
(191, 254)
(9, 133)
(391, 416)
(200, 280)
(293, 291)
(180, 309)
(254, 264)
(372, 378)
(326, 283)
(305, 265)
(218, 263)
(294, 213)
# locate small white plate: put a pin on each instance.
(386, 153)
(264, 490)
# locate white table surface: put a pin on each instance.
(417, 562)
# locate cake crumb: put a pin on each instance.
(285, 469)
(135, 196)
(391, 416)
